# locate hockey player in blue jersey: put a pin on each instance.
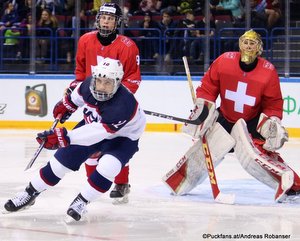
(113, 123)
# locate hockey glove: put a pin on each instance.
(198, 131)
(54, 139)
(65, 108)
(71, 87)
(272, 130)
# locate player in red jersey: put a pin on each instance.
(92, 48)
(247, 84)
(247, 121)
(105, 42)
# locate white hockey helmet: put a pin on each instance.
(109, 69)
(109, 9)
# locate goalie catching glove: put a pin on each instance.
(54, 139)
(197, 131)
(272, 130)
(65, 108)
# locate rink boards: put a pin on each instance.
(26, 101)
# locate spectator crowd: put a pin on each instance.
(182, 20)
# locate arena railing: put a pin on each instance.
(63, 41)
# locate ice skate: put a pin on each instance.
(120, 193)
(77, 208)
(22, 200)
(292, 196)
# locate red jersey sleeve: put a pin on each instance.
(131, 62)
(80, 70)
(272, 102)
(209, 87)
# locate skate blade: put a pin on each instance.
(4, 211)
(120, 201)
(69, 220)
(291, 199)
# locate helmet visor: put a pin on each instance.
(103, 88)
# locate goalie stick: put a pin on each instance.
(36, 154)
(218, 196)
(197, 121)
(189, 78)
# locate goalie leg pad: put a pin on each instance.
(265, 168)
(286, 182)
(191, 169)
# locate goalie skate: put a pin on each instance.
(77, 209)
(292, 197)
(22, 200)
(120, 193)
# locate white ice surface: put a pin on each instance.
(152, 214)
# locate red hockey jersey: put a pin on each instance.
(90, 52)
(242, 94)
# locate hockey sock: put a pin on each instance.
(89, 169)
(122, 177)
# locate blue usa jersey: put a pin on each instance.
(119, 116)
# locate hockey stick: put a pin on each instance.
(218, 196)
(36, 154)
(189, 78)
(197, 121)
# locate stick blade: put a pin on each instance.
(225, 198)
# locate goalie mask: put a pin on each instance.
(109, 10)
(106, 79)
(251, 46)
